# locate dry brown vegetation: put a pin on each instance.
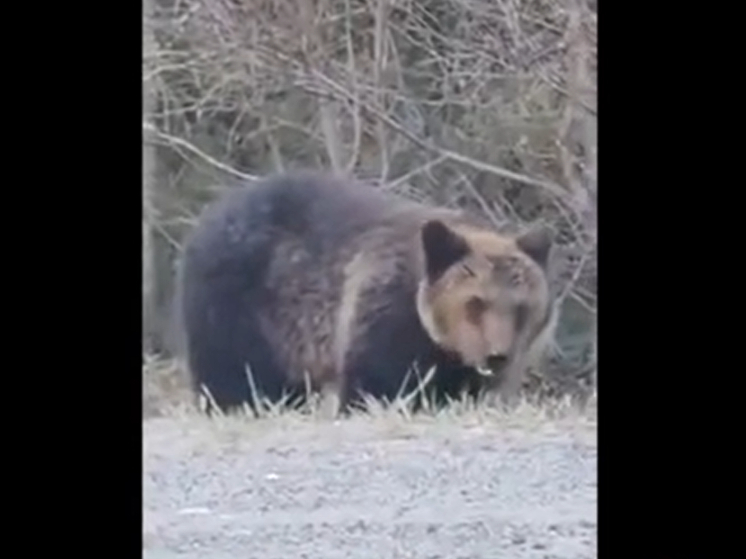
(168, 398)
(484, 104)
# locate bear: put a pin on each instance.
(310, 279)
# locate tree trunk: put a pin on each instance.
(148, 187)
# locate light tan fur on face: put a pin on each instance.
(471, 309)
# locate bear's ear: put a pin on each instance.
(442, 246)
(536, 242)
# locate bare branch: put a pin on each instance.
(352, 72)
(337, 90)
(174, 141)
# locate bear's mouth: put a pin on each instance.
(494, 365)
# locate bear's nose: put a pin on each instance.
(496, 361)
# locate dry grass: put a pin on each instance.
(165, 388)
(166, 395)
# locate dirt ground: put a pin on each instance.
(471, 486)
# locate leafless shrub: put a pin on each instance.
(485, 104)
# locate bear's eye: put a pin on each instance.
(475, 307)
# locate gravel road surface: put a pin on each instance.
(369, 489)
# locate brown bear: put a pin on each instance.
(312, 277)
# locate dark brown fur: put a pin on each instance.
(310, 274)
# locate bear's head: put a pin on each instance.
(484, 297)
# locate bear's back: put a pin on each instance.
(323, 211)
